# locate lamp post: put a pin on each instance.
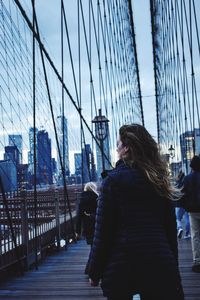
(171, 151)
(101, 132)
(171, 155)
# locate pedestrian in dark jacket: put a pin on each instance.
(191, 202)
(135, 243)
(86, 214)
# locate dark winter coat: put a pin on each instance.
(86, 215)
(191, 198)
(135, 245)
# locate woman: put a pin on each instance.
(86, 214)
(135, 243)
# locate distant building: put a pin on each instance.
(12, 153)
(197, 140)
(44, 158)
(8, 173)
(22, 175)
(102, 135)
(78, 163)
(31, 152)
(63, 144)
(54, 169)
(73, 179)
(16, 140)
(54, 165)
(190, 145)
(89, 170)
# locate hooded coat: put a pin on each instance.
(86, 215)
(135, 244)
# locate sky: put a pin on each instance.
(141, 14)
(48, 16)
(18, 91)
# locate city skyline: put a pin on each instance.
(72, 74)
(22, 94)
(15, 174)
(18, 93)
(72, 153)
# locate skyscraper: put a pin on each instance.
(16, 140)
(8, 173)
(102, 135)
(197, 140)
(190, 146)
(31, 152)
(78, 163)
(44, 157)
(89, 171)
(63, 144)
(12, 153)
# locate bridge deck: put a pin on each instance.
(61, 277)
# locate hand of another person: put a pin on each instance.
(93, 283)
(77, 235)
(86, 214)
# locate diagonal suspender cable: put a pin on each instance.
(136, 59)
(34, 142)
(56, 136)
(57, 73)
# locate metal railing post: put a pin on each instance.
(24, 229)
(57, 212)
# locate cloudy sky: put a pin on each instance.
(48, 15)
(141, 12)
(16, 70)
(49, 22)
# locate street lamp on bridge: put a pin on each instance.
(171, 155)
(171, 152)
(101, 133)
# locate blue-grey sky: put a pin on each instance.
(141, 13)
(49, 22)
(16, 72)
(19, 96)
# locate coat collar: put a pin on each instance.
(120, 163)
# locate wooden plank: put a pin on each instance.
(61, 276)
(190, 280)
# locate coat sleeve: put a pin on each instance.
(182, 201)
(171, 228)
(79, 219)
(105, 226)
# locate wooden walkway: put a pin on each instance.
(61, 276)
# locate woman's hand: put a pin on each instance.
(93, 283)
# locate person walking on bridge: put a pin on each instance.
(191, 202)
(181, 212)
(135, 242)
(86, 214)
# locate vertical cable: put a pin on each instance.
(35, 142)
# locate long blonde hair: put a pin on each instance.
(91, 186)
(143, 153)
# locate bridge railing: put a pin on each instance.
(34, 230)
